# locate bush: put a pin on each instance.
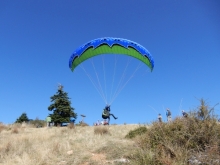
(101, 130)
(15, 130)
(2, 127)
(82, 124)
(136, 132)
(182, 141)
(71, 126)
(38, 123)
(177, 142)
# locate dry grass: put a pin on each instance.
(101, 130)
(63, 145)
(71, 126)
(179, 142)
(14, 130)
(2, 127)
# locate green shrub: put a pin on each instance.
(177, 142)
(196, 138)
(137, 131)
(38, 123)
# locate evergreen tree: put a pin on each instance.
(61, 107)
(22, 118)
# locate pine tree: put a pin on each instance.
(22, 118)
(61, 107)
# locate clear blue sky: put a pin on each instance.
(37, 39)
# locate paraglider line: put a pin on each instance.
(113, 80)
(103, 64)
(120, 81)
(100, 87)
(118, 92)
(92, 81)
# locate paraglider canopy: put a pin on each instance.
(109, 45)
(109, 88)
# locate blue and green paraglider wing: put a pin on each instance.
(110, 45)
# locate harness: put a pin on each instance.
(105, 113)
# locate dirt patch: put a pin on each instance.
(99, 157)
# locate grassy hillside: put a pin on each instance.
(64, 145)
(183, 141)
(193, 140)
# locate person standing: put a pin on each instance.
(48, 120)
(168, 114)
(184, 114)
(98, 123)
(159, 117)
